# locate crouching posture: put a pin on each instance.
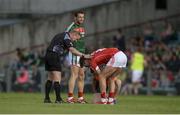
(114, 60)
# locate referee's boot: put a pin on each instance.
(59, 101)
(47, 101)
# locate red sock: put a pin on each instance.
(70, 94)
(111, 94)
(103, 95)
(80, 94)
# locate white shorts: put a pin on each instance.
(73, 59)
(136, 75)
(118, 60)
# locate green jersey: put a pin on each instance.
(79, 44)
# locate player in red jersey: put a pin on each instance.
(101, 56)
(106, 56)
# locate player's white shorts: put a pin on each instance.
(118, 60)
(136, 75)
(73, 59)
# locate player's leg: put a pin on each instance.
(136, 77)
(71, 84)
(116, 81)
(111, 96)
(111, 91)
(107, 72)
(74, 62)
(56, 75)
(117, 87)
(117, 62)
(53, 66)
(48, 86)
(80, 83)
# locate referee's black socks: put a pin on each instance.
(48, 86)
(57, 91)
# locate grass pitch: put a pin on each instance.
(30, 103)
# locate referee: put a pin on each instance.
(55, 50)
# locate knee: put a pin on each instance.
(101, 77)
(81, 74)
(81, 78)
(74, 75)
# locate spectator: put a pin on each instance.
(119, 40)
(169, 35)
(148, 35)
(22, 82)
(137, 66)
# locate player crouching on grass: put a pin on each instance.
(114, 60)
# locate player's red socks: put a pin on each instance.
(80, 94)
(111, 98)
(103, 98)
(70, 94)
(103, 95)
(111, 94)
(70, 98)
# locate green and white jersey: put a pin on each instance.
(79, 44)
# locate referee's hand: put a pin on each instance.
(87, 56)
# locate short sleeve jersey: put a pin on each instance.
(101, 56)
(79, 44)
(60, 43)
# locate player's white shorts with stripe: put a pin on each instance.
(118, 60)
(73, 59)
(136, 75)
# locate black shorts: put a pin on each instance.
(52, 61)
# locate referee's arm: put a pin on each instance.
(75, 51)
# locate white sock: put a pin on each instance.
(69, 98)
(103, 100)
(110, 99)
(80, 98)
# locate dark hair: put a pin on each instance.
(78, 12)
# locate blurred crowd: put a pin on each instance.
(161, 52)
(25, 73)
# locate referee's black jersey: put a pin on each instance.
(60, 43)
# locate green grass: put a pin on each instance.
(29, 103)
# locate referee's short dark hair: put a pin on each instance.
(78, 12)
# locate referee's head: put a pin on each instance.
(74, 35)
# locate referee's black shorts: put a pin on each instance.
(52, 61)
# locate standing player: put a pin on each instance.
(76, 71)
(55, 50)
(99, 57)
